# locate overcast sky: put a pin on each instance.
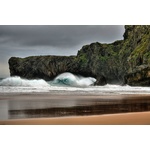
(23, 41)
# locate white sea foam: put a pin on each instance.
(17, 81)
(73, 84)
(93, 90)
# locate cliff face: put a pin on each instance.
(45, 67)
(101, 60)
(138, 73)
(124, 61)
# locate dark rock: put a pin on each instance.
(45, 67)
(140, 76)
(101, 80)
(139, 58)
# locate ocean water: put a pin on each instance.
(67, 95)
(66, 83)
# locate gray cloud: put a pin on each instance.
(58, 36)
(22, 41)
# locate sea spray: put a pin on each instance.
(18, 85)
(17, 81)
(64, 79)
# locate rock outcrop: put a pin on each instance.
(44, 67)
(139, 58)
(125, 61)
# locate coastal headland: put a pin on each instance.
(124, 61)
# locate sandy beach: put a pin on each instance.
(139, 118)
(53, 109)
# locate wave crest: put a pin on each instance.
(70, 79)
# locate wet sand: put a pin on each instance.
(69, 109)
(138, 118)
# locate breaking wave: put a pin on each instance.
(66, 83)
(64, 79)
(70, 79)
(17, 81)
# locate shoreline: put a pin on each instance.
(138, 118)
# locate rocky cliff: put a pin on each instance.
(138, 73)
(126, 61)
